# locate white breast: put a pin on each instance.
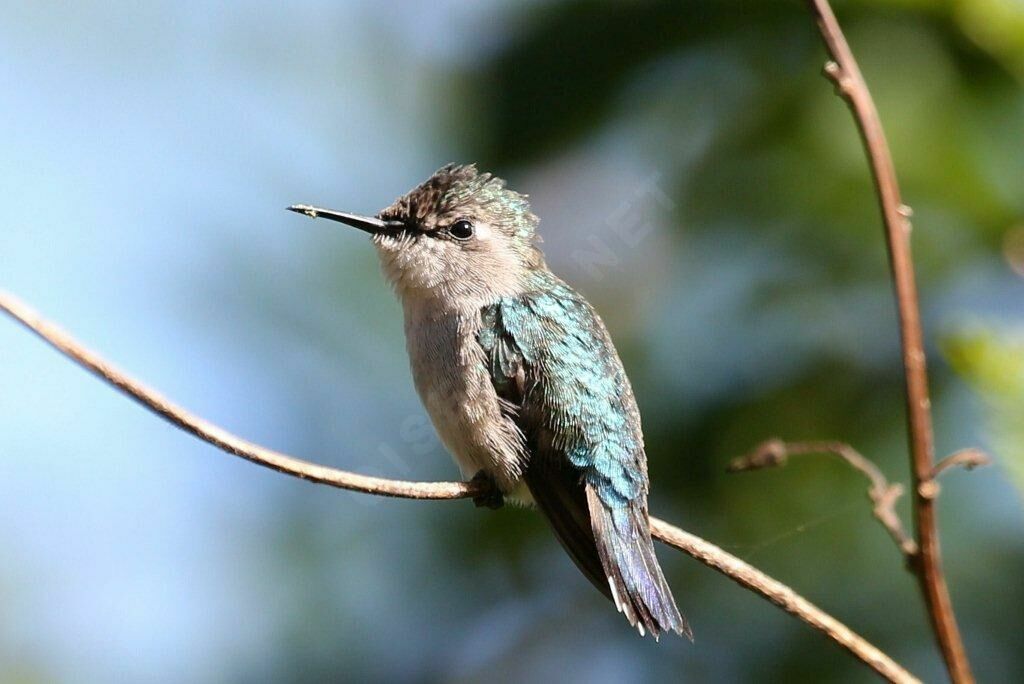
(449, 370)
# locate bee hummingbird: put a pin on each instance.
(521, 379)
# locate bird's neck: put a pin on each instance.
(442, 300)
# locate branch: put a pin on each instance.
(846, 75)
(697, 548)
(968, 459)
(883, 494)
(781, 595)
(217, 436)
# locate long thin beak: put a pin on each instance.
(369, 224)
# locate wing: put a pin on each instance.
(553, 364)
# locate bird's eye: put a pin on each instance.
(461, 230)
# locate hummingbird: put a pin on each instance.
(520, 378)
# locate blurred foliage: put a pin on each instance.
(769, 314)
(992, 360)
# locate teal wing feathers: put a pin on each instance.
(553, 364)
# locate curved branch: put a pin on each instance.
(849, 82)
(219, 437)
(742, 573)
(781, 595)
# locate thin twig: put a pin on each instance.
(883, 494)
(846, 75)
(968, 459)
(217, 436)
(703, 551)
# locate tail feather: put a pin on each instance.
(637, 583)
(612, 547)
(559, 496)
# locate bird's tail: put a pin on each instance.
(637, 584)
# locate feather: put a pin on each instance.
(627, 555)
(553, 365)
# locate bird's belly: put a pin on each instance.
(455, 388)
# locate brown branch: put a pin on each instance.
(846, 75)
(217, 436)
(781, 595)
(697, 548)
(883, 494)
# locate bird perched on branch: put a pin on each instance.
(521, 379)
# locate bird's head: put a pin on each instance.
(459, 234)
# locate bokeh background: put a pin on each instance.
(697, 180)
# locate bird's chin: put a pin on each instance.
(407, 266)
(387, 243)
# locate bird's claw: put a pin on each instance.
(492, 497)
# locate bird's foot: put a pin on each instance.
(492, 497)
